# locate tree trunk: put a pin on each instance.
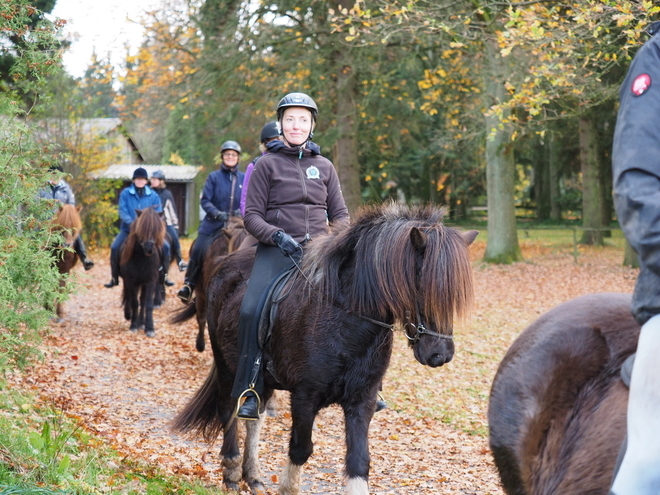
(502, 244)
(592, 190)
(345, 148)
(541, 180)
(630, 256)
(554, 149)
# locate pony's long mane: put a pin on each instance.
(68, 220)
(371, 265)
(148, 226)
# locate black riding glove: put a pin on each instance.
(237, 213)
(286, 243)
(221, 216)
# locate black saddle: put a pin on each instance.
(276, 291)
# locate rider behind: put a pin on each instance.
(220, 200)
(62, 192)
(294, 192)
(636, 174)
(137, 196)
(157, 181)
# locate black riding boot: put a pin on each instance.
(114, 270)
(249, 380)
(186, 292)
(79, 248)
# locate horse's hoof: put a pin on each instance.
(200, 345)
(133, 329)
(257, 487)
(150, 333)
(230, 485)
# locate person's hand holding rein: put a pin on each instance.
(286, 243)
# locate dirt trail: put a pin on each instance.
(127, 387)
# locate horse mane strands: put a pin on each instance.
(67, 218)
(384, 282)
(147, 226)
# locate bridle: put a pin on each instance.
(412, 331)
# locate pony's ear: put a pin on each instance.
(470, 236)
(61, 207)
(138, 212)
(418, 239)
(79, 208)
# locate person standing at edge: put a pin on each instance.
(157, 180)
(636, 175)
(62, 192)
(220, 200)
(293, 193)
(137, 196)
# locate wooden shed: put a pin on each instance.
(180, 180)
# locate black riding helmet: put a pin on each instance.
(231, 145)
(297, 100)
(140, 173)
(269, 131)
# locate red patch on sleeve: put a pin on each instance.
(641, 84)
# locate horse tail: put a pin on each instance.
(202, 415)
(184, 314)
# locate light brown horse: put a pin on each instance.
(557, 410)
(67, 224)
(229, 241)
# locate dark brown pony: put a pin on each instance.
(332, 338)
(557, 409)
(139, 267)
(227, 242)
(66, 223)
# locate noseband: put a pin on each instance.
(414, 331)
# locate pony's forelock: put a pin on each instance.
(384, 281)
(148, 226)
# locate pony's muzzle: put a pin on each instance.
(433, 352)
(149, 247)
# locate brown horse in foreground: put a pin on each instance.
(332, 337)
(66, 223)
(557, 410)
(226, 242)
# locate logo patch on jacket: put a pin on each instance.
(313, 173)
(641, 84)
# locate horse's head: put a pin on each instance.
(443, 285)
(149, 230)
(67, 223)
(398, 263)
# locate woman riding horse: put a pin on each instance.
(61, 191)
(137, 196)
(294, 193)
(220, 200)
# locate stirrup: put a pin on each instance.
(239, 404)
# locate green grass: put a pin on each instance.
(42, 451)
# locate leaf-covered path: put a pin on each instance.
(127, 387)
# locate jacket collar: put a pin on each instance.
(278, 146)
(133, 190)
